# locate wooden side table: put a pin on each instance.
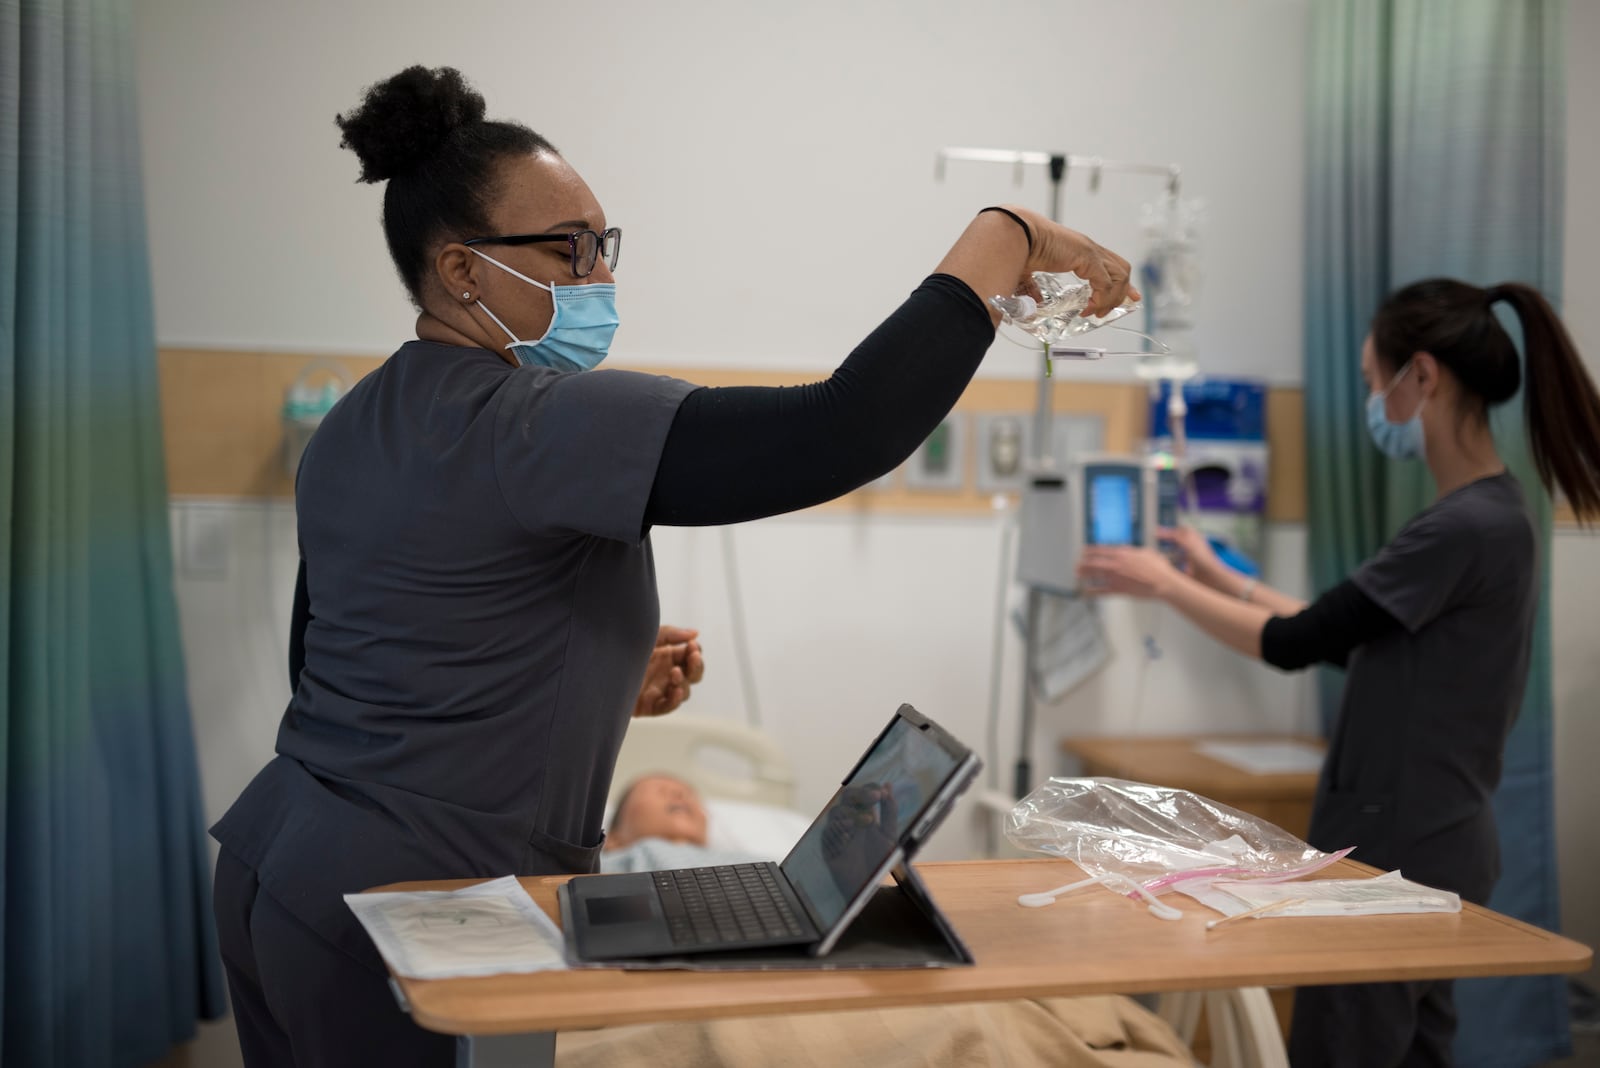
(1086, 944)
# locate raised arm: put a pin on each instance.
(1326, 631)
(745, 452)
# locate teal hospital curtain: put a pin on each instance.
(1436, 148)
(107, 954)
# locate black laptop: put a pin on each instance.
(895, 797)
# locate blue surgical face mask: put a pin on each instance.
(1398, 441)
(581, 327)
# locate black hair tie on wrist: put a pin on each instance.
(1026, 230)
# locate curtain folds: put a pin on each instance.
(107, 955)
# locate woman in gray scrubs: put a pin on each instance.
(1435, 630)
(477, 599)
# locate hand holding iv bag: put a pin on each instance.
(1058, 310)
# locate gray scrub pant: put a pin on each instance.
(1373, 1025)
(300, 1001)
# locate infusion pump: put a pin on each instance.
(1096, 500)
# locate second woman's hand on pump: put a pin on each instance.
(1199, 559)
(676, 664)
(1126, 570)
(1136, 572)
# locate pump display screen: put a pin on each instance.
(1113, 508)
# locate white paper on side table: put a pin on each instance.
(487, 929)
(1264, 758)
(1387, 894)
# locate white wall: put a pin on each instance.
(772, 166)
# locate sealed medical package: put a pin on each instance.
(485, 929)
(1156, 836)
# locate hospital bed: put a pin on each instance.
(722, 760)
(747, 784)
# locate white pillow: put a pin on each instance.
(766, 832)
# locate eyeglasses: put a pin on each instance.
(586, 246)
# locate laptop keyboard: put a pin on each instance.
(724, 905)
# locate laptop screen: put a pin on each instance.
(848, 844)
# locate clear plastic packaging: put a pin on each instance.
(1057, 312)
(1157, 836)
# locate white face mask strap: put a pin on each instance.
(514, 339)
(515, 274)
(1395, 381)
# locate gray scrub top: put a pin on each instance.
(482, 606)
(1416, 754)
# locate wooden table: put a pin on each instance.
(1282, 799)
(1092, 942)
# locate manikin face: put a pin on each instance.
(659, 807)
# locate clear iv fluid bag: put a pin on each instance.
(1059, 312)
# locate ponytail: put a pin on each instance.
(1562, 406)
(1455, 322)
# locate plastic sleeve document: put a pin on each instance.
(487, 929)
(1382, 895)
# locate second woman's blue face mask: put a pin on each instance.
(581, 327)
(1398, 441)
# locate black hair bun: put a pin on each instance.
(403, 120)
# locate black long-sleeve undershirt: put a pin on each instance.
(745, 452)
(1327, 631)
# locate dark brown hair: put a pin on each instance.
(1455, 323)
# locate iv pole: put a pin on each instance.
(1043, 458)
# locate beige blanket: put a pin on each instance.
(1105, 1032)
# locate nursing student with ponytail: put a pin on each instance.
(1435, 630)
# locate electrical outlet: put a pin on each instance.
(1005, 445)
(204, 539)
